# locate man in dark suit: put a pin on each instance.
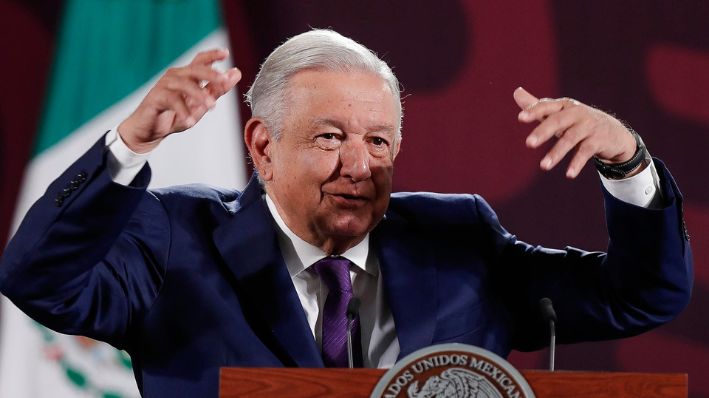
(190, 279)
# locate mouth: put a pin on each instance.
(350, 196)
(347, 200)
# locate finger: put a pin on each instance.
(174, 101)
(554, 125)
(545, 107)
(523, 98)
(210, 56)
(586, 149)
(192, 75)
(217, 89)
(195, 116)
(201, 73)
(165, 122)
(568, 141)
(540, 110)
(194, 94)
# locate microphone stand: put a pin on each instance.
(352, 310)
(552, 344)
(550, 316)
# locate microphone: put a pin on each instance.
(352, 310)
(549, 316)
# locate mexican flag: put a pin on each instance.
(108, 54)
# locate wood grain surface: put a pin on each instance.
(279, 382)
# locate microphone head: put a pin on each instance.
(353, 307)
(547, 309)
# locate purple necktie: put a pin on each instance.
(335, 272)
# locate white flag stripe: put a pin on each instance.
(211, 152)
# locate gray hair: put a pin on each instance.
(316, 49)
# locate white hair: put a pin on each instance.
(316, 49)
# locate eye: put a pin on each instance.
(328, 140)
(379, 141)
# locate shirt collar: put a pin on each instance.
(308, 254)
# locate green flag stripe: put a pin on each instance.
(109, 48)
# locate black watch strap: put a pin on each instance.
(620, 170)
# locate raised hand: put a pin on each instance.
(575, 126)
(178, 101)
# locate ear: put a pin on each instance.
(397, 146)
(259, 143)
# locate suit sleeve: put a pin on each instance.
(89, 256)
(644, 279)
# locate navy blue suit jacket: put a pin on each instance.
(190, 279)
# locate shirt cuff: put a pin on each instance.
(642, 189)
(123, 163)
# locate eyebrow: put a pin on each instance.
(335, 123)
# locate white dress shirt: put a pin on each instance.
(380, 346)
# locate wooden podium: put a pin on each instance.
(294, 382)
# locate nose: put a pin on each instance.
(355, 161)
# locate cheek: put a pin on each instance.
(316, 165)
(382, 174)
(382, 178)
(305, 173)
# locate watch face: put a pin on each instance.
(614, 174)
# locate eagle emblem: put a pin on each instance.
(454, 383)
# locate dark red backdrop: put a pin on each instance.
(646, 61)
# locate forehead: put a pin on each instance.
(324, 94)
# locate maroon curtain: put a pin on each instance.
(645, 61)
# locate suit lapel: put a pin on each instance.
(409, 273)
(249, 246)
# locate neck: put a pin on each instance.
(332, 246)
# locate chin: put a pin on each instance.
(352, 228)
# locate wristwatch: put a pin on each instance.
(618, 171)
